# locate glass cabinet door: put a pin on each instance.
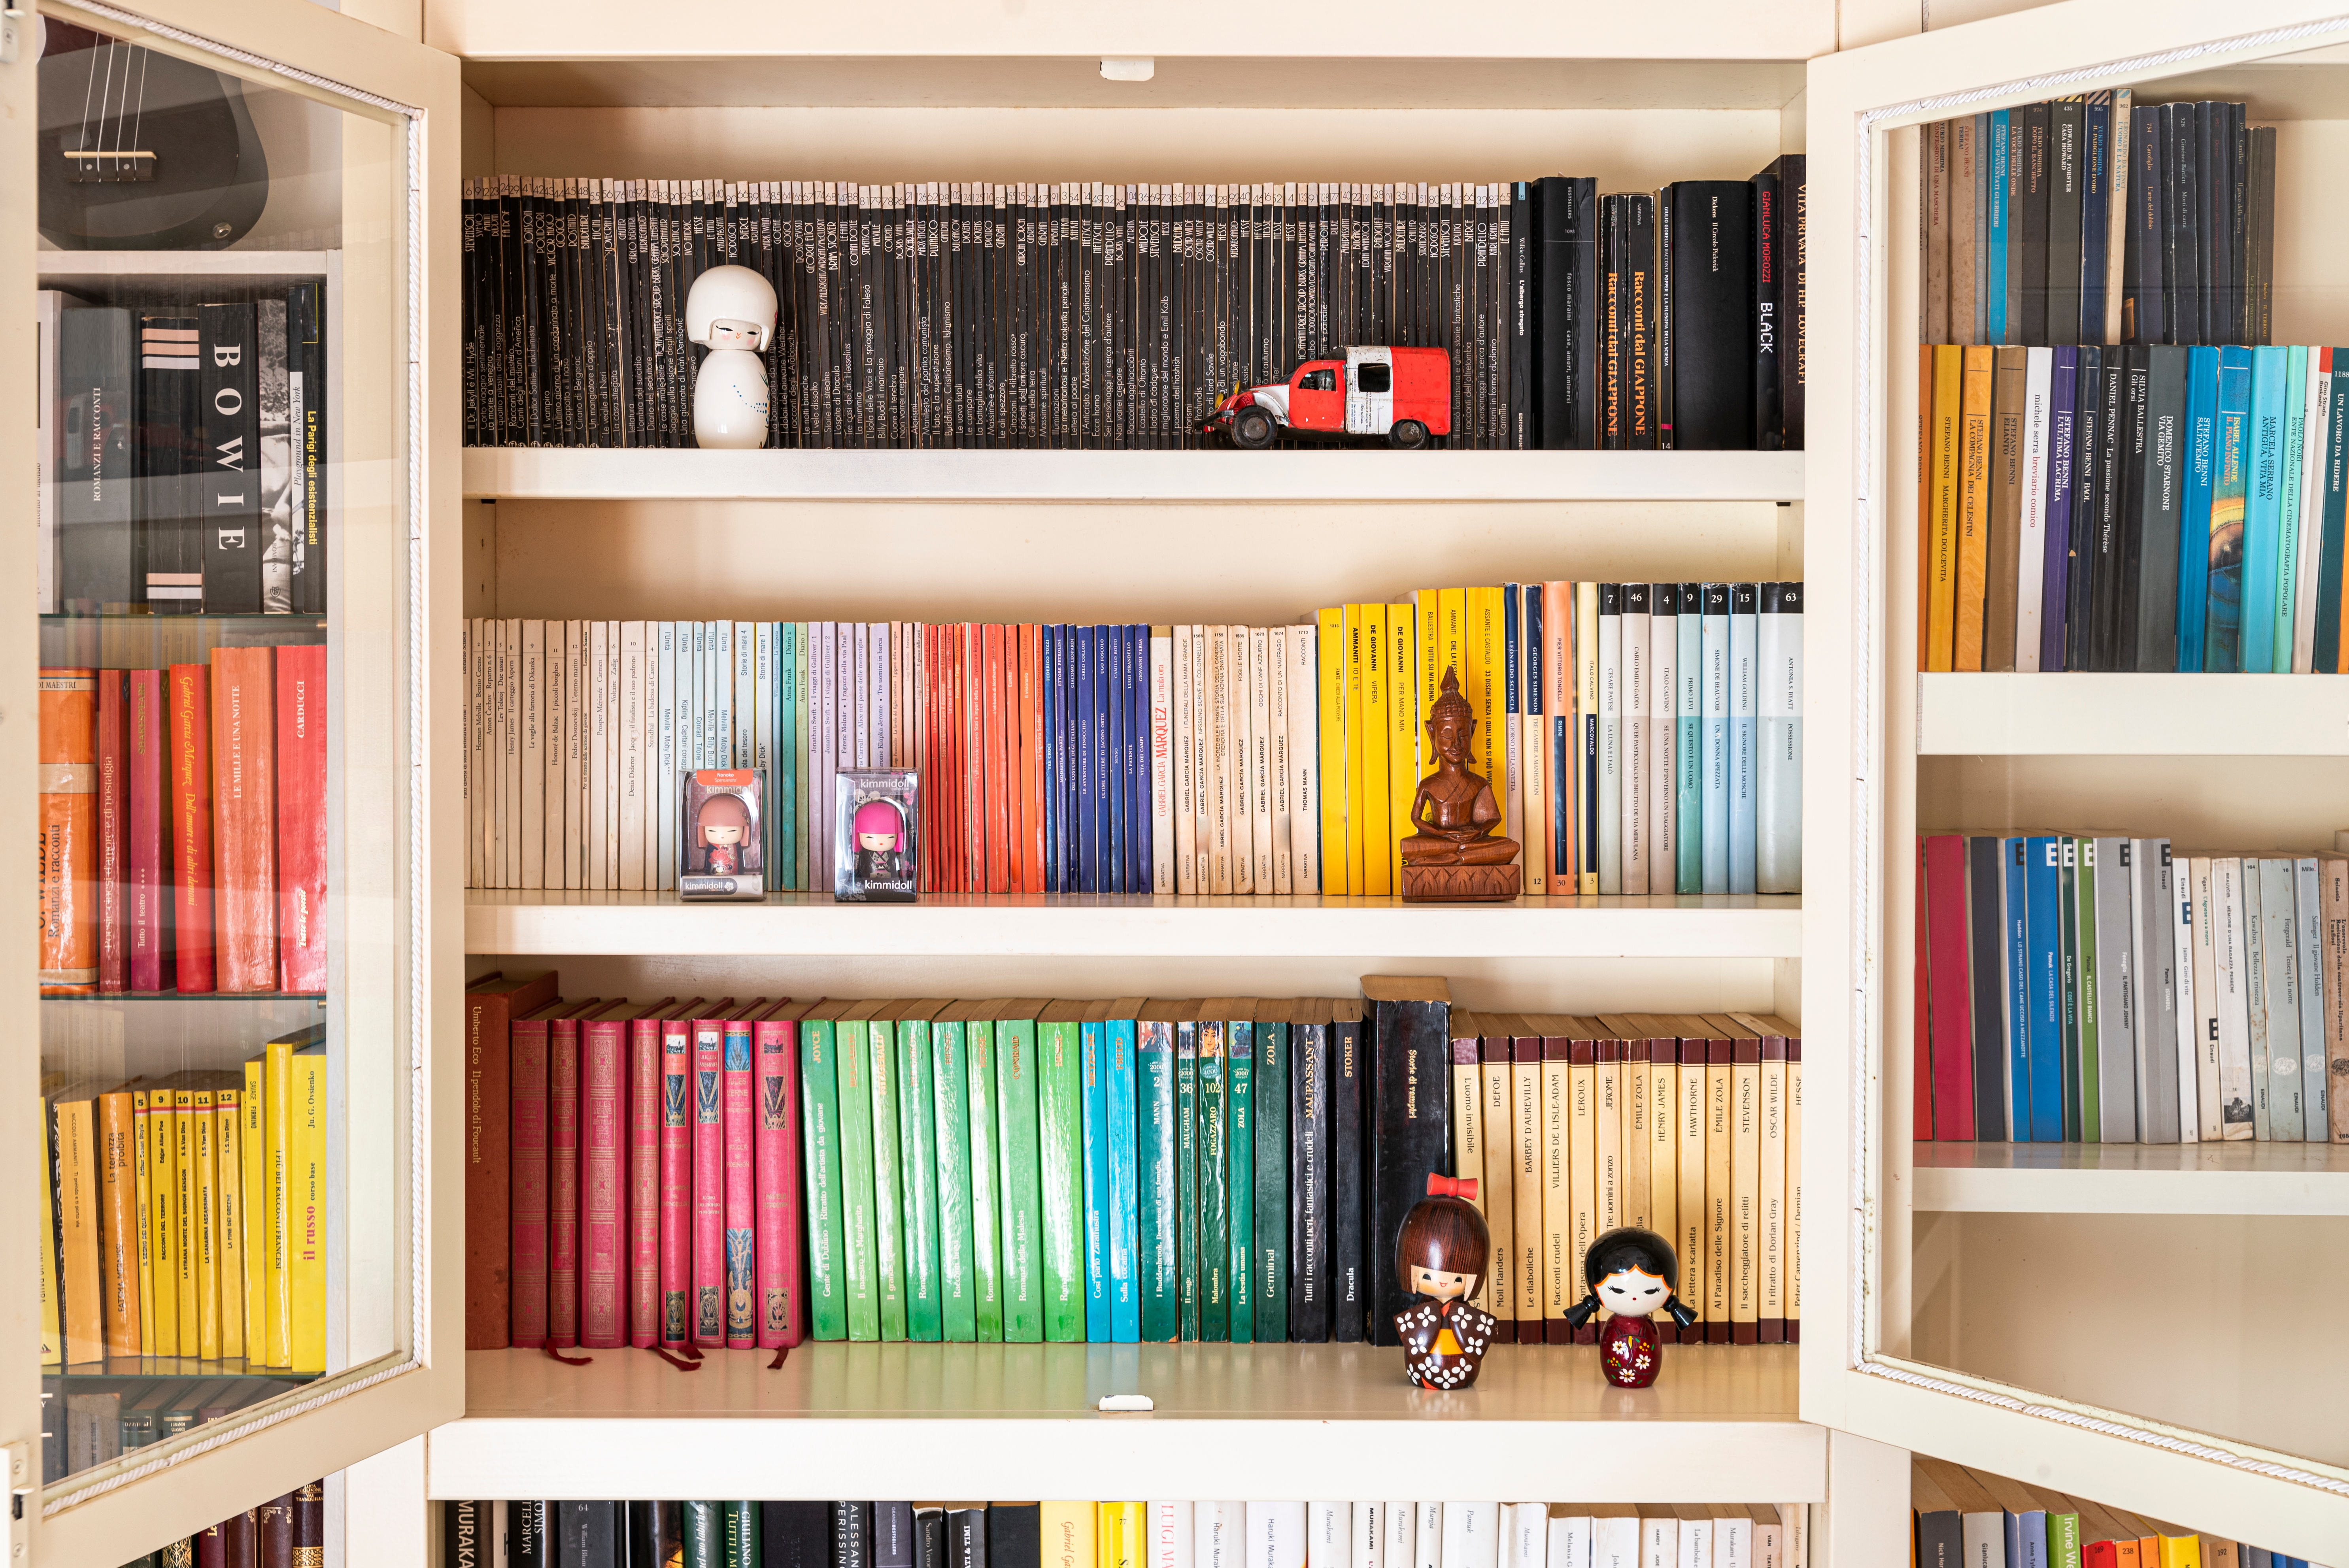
(228, 219)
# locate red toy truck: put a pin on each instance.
(1403, 394)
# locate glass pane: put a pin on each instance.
(222, 575)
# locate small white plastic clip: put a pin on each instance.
(1128, 68)
(1113, 1404)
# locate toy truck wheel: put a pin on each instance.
(1253, 429)
(1408, 436)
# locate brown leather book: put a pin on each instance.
(2006, 436)
(310, 1526)
(491, 1003)
(274, 1532)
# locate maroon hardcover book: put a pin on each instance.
(274, 1532)
(491, 1003)
(563, 1110)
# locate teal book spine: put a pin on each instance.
(1688, 748)
(738, 1525)
(1124, 1215)
(1157, 1169)
(1093, 1066)
(1214, 1170)
(1239, 1146)
(827, 1286)
(860, 1229)
(785, 783)
(800, 721)
(888, 1177)
(1059, 1144)
(2297, 486)
(918, 1141)
(2067, 893)
(2083, 923)
(1270, 1113)
(1186, 1124)
(985, 1183)
(1023, 1190)
(2264, 510)
(951, 1086)
(2222, 618)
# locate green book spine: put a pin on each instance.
(917, 1139)
(889, 1179)
(1023, 1182)
(951, 1081)
(704, 1536)
(1214, 1189)
(986, 1182)
(1187, 1133)
(2085, 922)
(1270, 1107)
(2067, 895)
(738, 1523)
(859, 1247)
(1156, 1165)
(2063, 1540)
(1060, 1123)
(800, 749)
(827, 1286)
(1239, 1146)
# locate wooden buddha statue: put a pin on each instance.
(1456, 854)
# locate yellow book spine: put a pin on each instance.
(53, 1332)
(1688, 1235)
(1745, 1196)
(309, 1251)
(1557, 1222)
(1121, 1542)
(141, 1130)
(164, 1329)
(1357, 716)
(1427, 654)
(2181, 1552)
(1719, 1139)
(1973, 509)
(1452, 650)
(1481, 681)
(1583, 1168)
(1330, 654)
(1635, 1142)
(228, 1122)
(186, 1193)
(1066, 1532)
(1378, 696)
(1607, 1129)
(83, 1302)
(278, 1116)
(254, 1148)
(1941, 536)
(1585, 746)
(1403, 713)
(204, 1138)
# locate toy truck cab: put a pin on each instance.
(1402, 394)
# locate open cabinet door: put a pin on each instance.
(2121, 1316)
(235, 1265)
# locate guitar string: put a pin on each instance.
(86, 91)
(140, 113)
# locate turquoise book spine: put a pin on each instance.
(1015, 1078)
(1186, 1122)
(1215, 1190)
(888, 1177)
(1124, 1189)
(1269, 1109)
(2263, 510)
(919, 1144)
(1092, 1046)
(985, 1183)
(1157, 1166)
(1239, 1096)
(827, 1286)
(1060, 1134)
(950, 1086)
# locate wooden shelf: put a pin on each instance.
(2132, 1178)
(1094, 926)
(1366, 474)
(2132, 714)
(1002, 1420)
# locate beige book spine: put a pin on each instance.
(1771, 1203)
(1259, 759)
(1559, 1289)
(1962, 281)
(1525, 1170)
(1496, 1104)
(1186, 803)
(1663, 1143)
(533, 754)
(1718, 1131)
(1305, 783)
(1468, 1153)
(1279, 768)
(1205, 677)
(1637, 1207)
(1745, 1191)
(1582, 1161)
(1607, 1131)
(631, 781)
(1934, 297)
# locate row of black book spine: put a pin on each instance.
(706, 1535)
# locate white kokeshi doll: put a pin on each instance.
(731, 310)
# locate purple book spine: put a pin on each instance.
(2062, 405)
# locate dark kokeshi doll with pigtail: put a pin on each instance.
(1440, 1257)
(1632, 1273)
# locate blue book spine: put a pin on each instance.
(1998, 221)
(1049, 762)
(1744, 765)
(2063, 423)
(2018, 993)
(2095, 196)
(2230, 504)
(2331, 543)
(1104, 847)
(1125, 1186)
(2035, 1541)
(1715, 832)
(1155, 1174)
(1113, 745)
(2288, 506)
(2194, 503)
(1688, 748)
(1088, 835)
(2263, 512)
(1137, 759)
(2044, 896)
(2013, 1542)
(1239, 1117)
(1072, 828)
(1092, 1060)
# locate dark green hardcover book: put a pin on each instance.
(951, 1090)
(1270, 1111)
(1016, 1086)
(986, 1171)
(889, 1168)
(1158, 1167)
(1214, 1177)
(827, 1281)
(1308, 1172)
(1239, 1145)
(1059, 1123)
(705, 1535)
(2084, 921)
(2068, 893)
(738, 1525)
(1187, 1157)
(859, 1225)
(917, 1143)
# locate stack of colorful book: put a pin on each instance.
(1985, 1520)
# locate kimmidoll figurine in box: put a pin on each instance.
(877, 822)
(720, 852)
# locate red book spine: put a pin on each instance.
(1951, 987)
(970, 764)
(302, 818)
(926, 717)
(530, 1169)
(709, 1181)
(488, 1153)
(644, 1179)
(2100, 1554)
(113, 835)
(741, 1201)
(603, 1113)
(1921, 1050)
(1032, 753)
(245, 818)
(676, 1178)
(147, 902)
(192, 826)
(998, 829)
(562, 1181)
(778, 1182)
(1014, 788)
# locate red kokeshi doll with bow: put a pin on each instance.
(1440, 1258)
(1632, 1273)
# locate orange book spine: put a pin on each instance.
(1031, 756)
(117, 1201)
(69, 765)
(192, 826)
(992, 824)
(245, 818)
(970, 766)
(1924, 502)
(926, 727)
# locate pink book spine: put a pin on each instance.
(143, 900)
(709, 1182)
(529, 1201)
(603, 1113)
(563, 1182)
(778, 1182)
(742, 1317)
(644, 1181)
(675, 1179)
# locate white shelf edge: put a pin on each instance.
(193, 264)
(2238, 1179)
(2085, 713)
(1367, 475)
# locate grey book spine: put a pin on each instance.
(98, 558)
(2154, 985)
(2116, 1007)
(2157, 497)
(2280, 972)
(1745, 613)
(2251, 984)
(229, 463)
(2308, 954)
(893, 1535)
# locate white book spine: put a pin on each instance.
(554, 870)
(506, 828)
(1744, 616)
(48, 454)
(1239, 756)
(1615, 1543)
(1259, 758)
(1170, 1544)
(2312, 511)
(1427, 1551)
(2231, 963)
(2030, 573)
(876, 681)
(1304, 763)
(1202, 711)
(596, 735)
(1219, 1530)
(1527, 1544)
(2209, 1102)
(1611, 737)
(821, 755)
(1659, 1542)
(1715, 816)
(1638, 819)
(1398, 1536)
(1162, 760)
(1278, 770)
(718, 675)
(856, 750)
(632, 756)
(1276, 1535)
(1472, 1535)
(1982, 1540)
(1732, 1542)
(1696, 1543)
(1569, 1542)
(2185, 1037)
(742, 682)
(612, 726)
(2253, 979)
(473, 713)
(1663, 736)
(1779, 786)
(1367, 1535)
(1187, 784)
(1218, 778)
(2153, 990)
(2308, 965)
(665, 737)
(1330, 1535)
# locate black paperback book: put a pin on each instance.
(1522, 433)
(1666, 243)
(2066, 166)
(309, 415)
(656, 1535)
(2158, 507)
(530, 1541)
(588, 1534)
(929, 1538)
(1566, 219)
(1351, 1287)
(2104, 524)
(2134, 431)
(169, 458)
(1639, 321)
(2182, 201)
(966, 1540)
(1769, 429)
(2080, 574)
(1794, 295)
(2259, 304)
(2214, 243)
(1614, 335)
(465, 1529)
(1014, 1536)
(893, 1535)
(1410, 1123)
(2038, 174)
(229, 489)
(2238, 225)
(851, 1535)
(100, 563)
(1309, 1174)
(1712, 313)
(2143, 316)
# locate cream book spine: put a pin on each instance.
(631, 784)
(1186, 777)
(1304, 762)
(1259, 758)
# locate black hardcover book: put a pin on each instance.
(2145, 247)
(275, 422)
(2158, 495)
(1564, 308)
(929, 1538)
(2080, 574)
(1349, 1285)
(311, 415)
(1522, 434)
(228, 485)
(1309, 1174)
(464, 1533)
(2259, 310)
(1639, 321)
(2130, 551)
(1793, 293)
(587, 1534)
(530, 1544)
(170, 462)
(966, 1540)
(1666, 245)
(1014, 1536)
(893, 1535)
(2239, 224)
(1411, 1123)
(2038, 177)
(656, 1535)
(852, 1534)
(1712, 314)
(2104, 535)
(2214, 243)
(1985, 882)
(2067, 184)
(1941, 1539)
(2182, 204)
(2096, 213)
(1614, 238)
(470, 247)
(1769, 434)
(100, 563)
